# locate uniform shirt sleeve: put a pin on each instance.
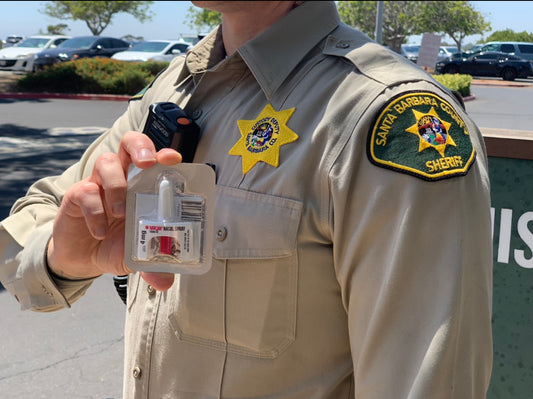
(24, 273)
(414, 261)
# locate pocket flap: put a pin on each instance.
(254, 225)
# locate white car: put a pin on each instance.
(446, 52)
(153, 50)
(18, 56)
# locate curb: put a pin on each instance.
(501, 83)
(36, 96)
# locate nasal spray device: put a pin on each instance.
(170, 209)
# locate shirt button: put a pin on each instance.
(342, 45)
(137, 372)
(151, 290)
(222, 233)
(196, 113)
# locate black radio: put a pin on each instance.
(170, 127)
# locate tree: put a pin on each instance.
(97, 14)
(202, 20)
(58, 29)
(399, 19)
(508, 35)
(457, 19)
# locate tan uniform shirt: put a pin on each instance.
(337, 273)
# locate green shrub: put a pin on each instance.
(92, 75)
(460, 83)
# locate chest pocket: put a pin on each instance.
(246, 303)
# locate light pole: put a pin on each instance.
(379, 23)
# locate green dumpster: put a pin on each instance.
(511, 174)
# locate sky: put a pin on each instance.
(24, 18)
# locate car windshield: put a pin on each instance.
(451, 49)
(150, 47)
(411, 49)
(33, 42)
(78, 42)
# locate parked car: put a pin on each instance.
(410, 51)
(521, 49)
(475, 48)
(467, 53)
(11, 40)
(489, 63)
(154, 50)
(80, 47)
(446, 52)
(16, 57)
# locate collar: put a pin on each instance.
(272, 55)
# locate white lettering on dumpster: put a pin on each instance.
(523, 230)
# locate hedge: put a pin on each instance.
(107, 76)
(93, 76)
(458, 82)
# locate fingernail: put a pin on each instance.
(146, 155)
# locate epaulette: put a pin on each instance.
(377, 62)
(371, 59)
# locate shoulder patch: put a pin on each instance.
(421, 134)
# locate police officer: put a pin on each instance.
(352, 256)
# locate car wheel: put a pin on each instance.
(451, 69)
(509, 74)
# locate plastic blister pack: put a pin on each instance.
(169, 218)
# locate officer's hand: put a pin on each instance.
(88, 235)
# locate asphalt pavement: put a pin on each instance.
(76, 352)
(70, 354)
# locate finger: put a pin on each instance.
(136, 148)
(108, 174)
(160, 281)
(84, 199)
(168, 157)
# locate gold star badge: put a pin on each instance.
(262, 138)
(432, 131)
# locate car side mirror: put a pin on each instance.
(176, 51)
(98, 47)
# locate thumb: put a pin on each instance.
(160, 281)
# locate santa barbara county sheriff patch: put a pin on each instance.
(421, 134)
